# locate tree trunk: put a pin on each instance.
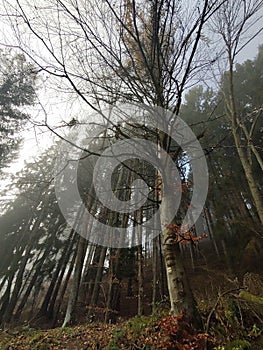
(5, 299)
(61, 264)
(37, 268)
(138, 228)
(163, 279)
(209, 224)
(97, 283)
(249, 175)
(140, 280)
(62, 269)
(113, 295)
(82, 245)
(154, 270)
(181, 297)
(247, 167)
(17, 286)
(64, 288)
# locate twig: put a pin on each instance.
(216, 304)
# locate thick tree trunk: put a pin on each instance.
(181, 297)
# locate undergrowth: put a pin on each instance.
(232, 326)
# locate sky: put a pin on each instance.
(37, 139)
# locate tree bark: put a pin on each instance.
(62, 270)
(181, 297)
(154, 271)
(64, 288)
(247, 167)
(82, 245)
(97, 283)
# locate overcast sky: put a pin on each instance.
(62, 111)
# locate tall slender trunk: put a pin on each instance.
(140, 263)
(114, 286)
(61, 264)
(90, 274)
(249, 176)
(209, 224)
(36, 268)
(86, 284)
(5, 299)
(163, 279)
(154, 271)
(17, 286)
(97, 283)
(140, 280)
(62, 269)
(247, 167)
(25, 251)
(64, 288)
(82, 245)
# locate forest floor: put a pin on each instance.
(230, 321)
(146, 332)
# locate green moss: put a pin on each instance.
(137, 324)
(238, 345)
(118, 336)
(131, 331)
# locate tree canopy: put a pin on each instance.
(17, 90)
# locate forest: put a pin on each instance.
(139, 225)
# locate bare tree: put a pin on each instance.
(233, 20)
(113, 52)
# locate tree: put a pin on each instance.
(230, 213)
(232, 20)
(17, 90)
(32, 236)
(248, 86)
(125, 51)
